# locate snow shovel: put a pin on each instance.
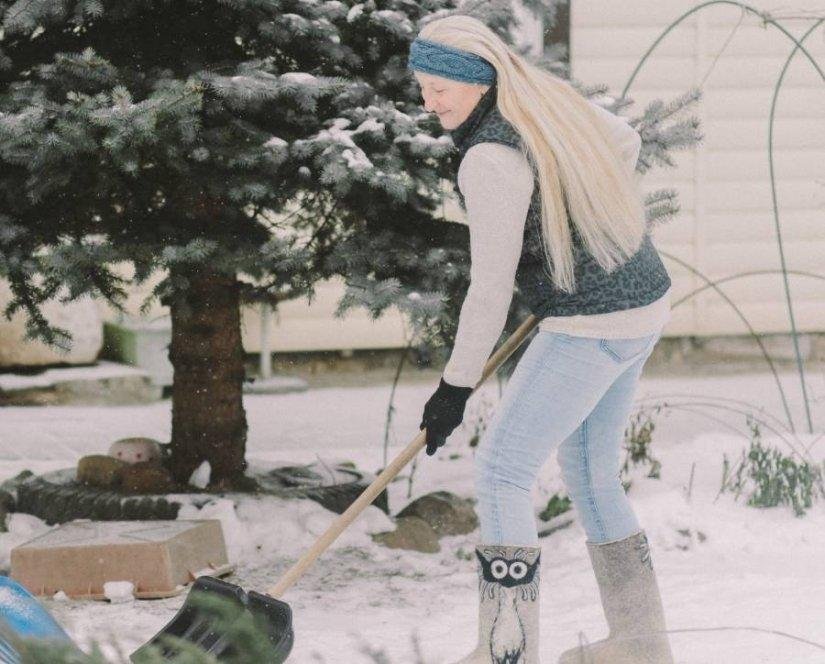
(194, 626)
(24, 619)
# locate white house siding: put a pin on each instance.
(726, 225)
(297, 326)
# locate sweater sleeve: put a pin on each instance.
(630, 143)
(497, 184)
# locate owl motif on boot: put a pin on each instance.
(511, 584)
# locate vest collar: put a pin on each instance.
(462, 132)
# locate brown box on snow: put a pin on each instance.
(158, 557)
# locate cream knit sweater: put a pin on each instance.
(497, 183)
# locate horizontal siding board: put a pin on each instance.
(735, 232)
(657, 72)
(616, 41)
(764, 288)
(598, 13)
(752, 164)
(678, 230)
(752, 102)
(766, 318)
(321, 331)
(735, 165)
(722, 258)
(756, 196)
(746, 225)
(738, 133)
(683, 251)
(643, 12)
(679, 177)
(745, 72)
(792, 102)
(681, 276)
(609, 41)
(727, 16)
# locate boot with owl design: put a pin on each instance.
(632, 607)
(508, 611)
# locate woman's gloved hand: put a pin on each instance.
(443, 413)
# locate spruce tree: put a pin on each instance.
(246, 149)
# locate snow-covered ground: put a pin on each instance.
(753, 591)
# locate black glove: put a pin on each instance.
(443, 413)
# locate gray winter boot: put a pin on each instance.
(508, 612)
(632, 607)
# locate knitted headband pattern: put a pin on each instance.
(442, 60)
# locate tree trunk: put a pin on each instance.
(208, 419)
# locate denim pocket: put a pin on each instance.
(622, 350)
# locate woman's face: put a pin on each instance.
(451, 100)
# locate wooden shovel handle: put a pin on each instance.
(371, 492)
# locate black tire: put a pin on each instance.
(58, 502)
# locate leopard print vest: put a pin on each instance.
(639, 281)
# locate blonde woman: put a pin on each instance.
(547, 181)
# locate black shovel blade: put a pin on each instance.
(213, 608)
(278, 625)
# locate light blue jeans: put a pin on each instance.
(570, 392)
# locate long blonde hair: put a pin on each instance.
(569, 147)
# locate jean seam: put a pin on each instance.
(496, 454)
(609, 351)
(496, 515)
(589, 484)
(606, 348)
(513, 484)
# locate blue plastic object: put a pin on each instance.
(25, 618)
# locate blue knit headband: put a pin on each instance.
(442, 60)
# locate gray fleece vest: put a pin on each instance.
(639, 281)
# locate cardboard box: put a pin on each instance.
(158, 557)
